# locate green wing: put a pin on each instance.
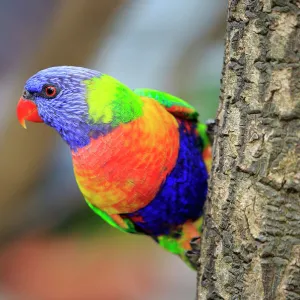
(176, 106)
(116, 221)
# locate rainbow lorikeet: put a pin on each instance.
(140, 157)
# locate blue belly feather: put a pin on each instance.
(182, 195)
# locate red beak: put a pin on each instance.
(27, 111)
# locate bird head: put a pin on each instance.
(78, 103)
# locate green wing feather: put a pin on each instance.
(176, 106)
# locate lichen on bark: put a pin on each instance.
(251, 240)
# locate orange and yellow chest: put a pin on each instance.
(122, 171)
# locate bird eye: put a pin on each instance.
(50, 91)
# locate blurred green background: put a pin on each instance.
(51, 245)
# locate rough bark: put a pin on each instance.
(251, 241)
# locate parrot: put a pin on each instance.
(141, 158)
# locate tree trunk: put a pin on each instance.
(251, 240)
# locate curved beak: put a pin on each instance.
(27, 111)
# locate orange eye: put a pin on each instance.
(50, 91)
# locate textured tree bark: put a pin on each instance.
(251, 240)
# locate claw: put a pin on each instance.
(193, 254)
(193, 257)
(195, 243)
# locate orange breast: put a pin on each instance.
(122, 171)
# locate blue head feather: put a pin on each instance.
(68, 111)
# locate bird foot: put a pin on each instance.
(193, 254)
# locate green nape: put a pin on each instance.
(112, 102)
